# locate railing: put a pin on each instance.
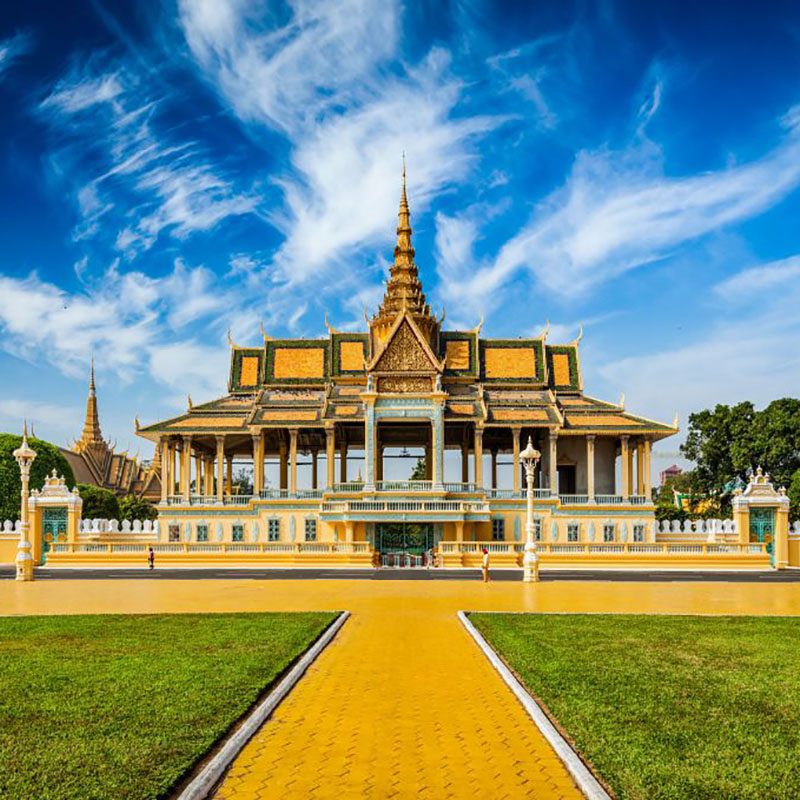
(348, 486)
(638, 500)
(382, 506)
(236, 499)
(461, 488)
(616, 548)
(505, 494)
(574, 499)
(609, 499)
(265, 548)
(403, 486)
(542, 494)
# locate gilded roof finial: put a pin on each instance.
(91, 374)
(91, 433)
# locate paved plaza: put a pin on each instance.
(402, 703)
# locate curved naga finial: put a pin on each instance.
(136, 423)
(675, 421)
(444, 315)
(577, 340)
(331, 330)
(622, 401)
(264, 335)
(231, 343)
(545, 331)
(477, 328)
(189, 404)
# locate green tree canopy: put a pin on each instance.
(98, 503)
(729, 441)
(48, 458)
(132, 507)
(418, 473)
(794, 496)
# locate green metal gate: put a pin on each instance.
(404, 544)
(54, 526)
(762, 529)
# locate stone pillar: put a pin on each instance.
(258, 463)
(647, 489)
(186, 465)
(552, 460)
(198, 473)
(343, 460)
(437, 467)
(314, 481)
(165, 456)
(624, 457)
(640, 467)
(220, 468)
(515, 432)
(429, 455)
(330, 458)
(478, 456)
(464, 462)
(283, 465)
(229, 478)
(494, 468)
(590, 467)
(293, 459)
(208, 474)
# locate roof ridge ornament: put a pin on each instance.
(621, 403)
(577, 340)
(264, 334)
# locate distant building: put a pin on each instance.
(94, 460)
(670, 472)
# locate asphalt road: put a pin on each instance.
(252, 573)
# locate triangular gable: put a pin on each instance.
(405, 350)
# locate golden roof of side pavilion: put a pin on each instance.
(315, 383)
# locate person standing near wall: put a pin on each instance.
(485, 565)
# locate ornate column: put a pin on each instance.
(552, 460)
(186, 465)
(515, 433)
(437, 433)
(165, 456)
(198, 473)
(283, 465)
(590, 467)
(330, 457)
(647, 489)
(220, 467)
(208, 474)
(258, 463)
(314, 481)
(624, 457)
(478, 456)
(293, 457)
(343, 460)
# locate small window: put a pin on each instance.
(237, 533)
(537, 530)
(572, 532)
(174, 533)
(202, 533)
(311, 530)
(498, 529)
(273, 530)
(608, 533)
(638, 533)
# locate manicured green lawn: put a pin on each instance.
(121, 706)
(667, 707)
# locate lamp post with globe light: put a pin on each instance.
(530, 559)
(24, 456)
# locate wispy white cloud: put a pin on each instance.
(155, 184)
(13, 48)
(618, 210)
(329, 77)
(773, 278)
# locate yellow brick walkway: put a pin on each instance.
(402, 704)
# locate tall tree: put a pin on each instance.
(48, 458)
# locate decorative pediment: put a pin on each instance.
(406, 351)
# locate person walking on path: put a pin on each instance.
(151, 557)
(485, 565)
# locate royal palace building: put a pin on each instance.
(466, 403)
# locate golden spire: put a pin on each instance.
(91, 426)
(403, 289)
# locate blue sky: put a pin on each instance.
(169, 171)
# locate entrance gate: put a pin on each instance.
(762, 529)
(54, 526)
(402, 544)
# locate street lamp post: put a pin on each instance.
(530, 560)
(24, 456)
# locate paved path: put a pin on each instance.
(312, 573)
(402, 704)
